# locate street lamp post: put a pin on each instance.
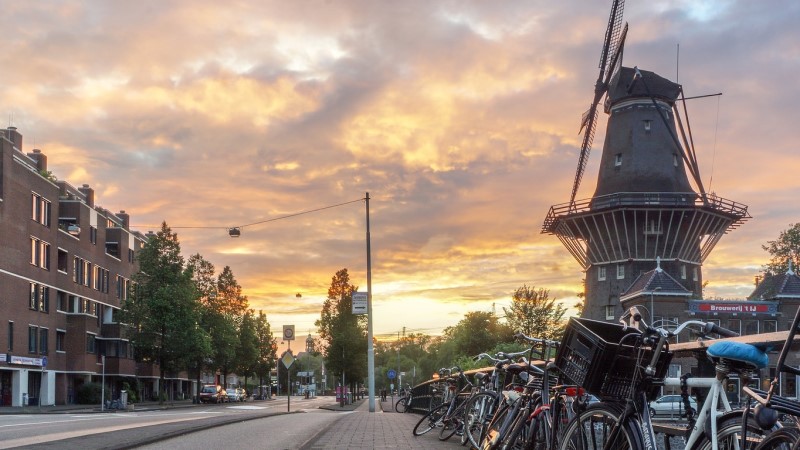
(370, 349)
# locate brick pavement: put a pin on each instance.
(361, 429)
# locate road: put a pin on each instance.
(288, 431)
(131, 429)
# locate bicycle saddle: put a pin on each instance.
(747, 354)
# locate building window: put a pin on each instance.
(618, 160)
(620, 272)
(40, 253)
(90, 343)
(10, 336)
(93, 235)
(750, 327)
(601, 273)
(82, 271)
(609, 312)
(694, 273)
(61, 336)
(39, 299)
(652, 227)
(734, 325)
(63, 261)
(61, 301)
(43, 341)
(770, 326)
(647, 125)
(33, 334)
(683, 272)
(40, 209)
(130, 256)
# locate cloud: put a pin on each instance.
(459, 118)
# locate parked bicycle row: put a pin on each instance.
(593, 390)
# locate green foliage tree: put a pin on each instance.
(477, 332)
(205, 283)
(267, 348)
(229, 307)
(247, 352)
(344, 333)
(534, 313)
(782, 250)
(163, 310)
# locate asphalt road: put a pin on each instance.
(288, 431)
(134, 429)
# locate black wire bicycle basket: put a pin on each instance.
(592, 357)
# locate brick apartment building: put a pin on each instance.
(65, 266)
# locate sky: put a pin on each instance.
(459, 118)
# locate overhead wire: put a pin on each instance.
(259, 222)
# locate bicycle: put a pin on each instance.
(448, 414)
(403, 405)
(524, 420)
(625, 383)
(771, 405)
(482, 405)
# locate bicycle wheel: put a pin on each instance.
(430, 420)
(402, 405)
(590, 430)
(491, 436)
(729, 435)
(477, 415)
(518, 433)
(782, 439)
(451, 423)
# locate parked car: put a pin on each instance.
(234, 395)
(671, 405)
(213, 393)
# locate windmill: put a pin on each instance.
(644, 207)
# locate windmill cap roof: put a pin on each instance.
(659, 87)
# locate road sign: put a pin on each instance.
(391, 374)
(288, 332)
(287, 359)
(359, 302)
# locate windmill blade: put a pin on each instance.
(616, 58)
(611, 49)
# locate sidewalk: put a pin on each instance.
(80, 409)
(383, 429)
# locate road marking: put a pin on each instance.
(247, 407)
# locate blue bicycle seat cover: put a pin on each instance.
(738, 351)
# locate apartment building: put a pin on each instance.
(65, 267)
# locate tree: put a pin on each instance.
(206, 285)
(267, 348)
(247, 353)
(534, 313)
(782, 250)
(163, 309)
(476, 333)
(344, 333)
(229, 307)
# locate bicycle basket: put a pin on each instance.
(590, 356)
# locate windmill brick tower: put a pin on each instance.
(644, 206)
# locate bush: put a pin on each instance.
(89, 394)
(133, 394)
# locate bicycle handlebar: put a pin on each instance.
(663, 334)
(522, 336)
